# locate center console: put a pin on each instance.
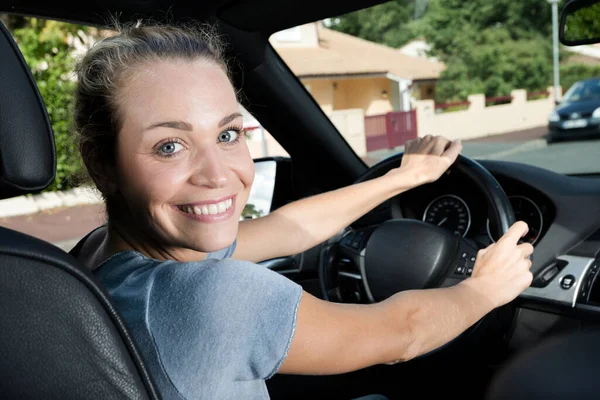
(570, 285)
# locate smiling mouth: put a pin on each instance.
(208, 209)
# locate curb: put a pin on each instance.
(30, 204)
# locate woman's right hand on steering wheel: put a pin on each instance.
(502, 270)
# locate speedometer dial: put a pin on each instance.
(449, 212)
(526, 210)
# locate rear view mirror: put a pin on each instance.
(580, 23)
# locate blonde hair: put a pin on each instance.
(103, 69)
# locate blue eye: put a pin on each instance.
(170, 148)
(228, 136)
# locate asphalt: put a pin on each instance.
(65, 226)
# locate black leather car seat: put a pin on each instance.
(60, 337)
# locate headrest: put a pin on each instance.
(27, 152)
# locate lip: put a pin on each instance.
(211, 217)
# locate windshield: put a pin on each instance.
(479, 71)
(582, 91)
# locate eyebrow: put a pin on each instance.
(229, 118)
(186, 126)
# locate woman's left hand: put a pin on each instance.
(427, 158)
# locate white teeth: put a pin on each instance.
(208, 209)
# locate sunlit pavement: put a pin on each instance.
(572, 157)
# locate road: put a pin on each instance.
(528, 147)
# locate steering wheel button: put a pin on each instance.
(567, 282)
(463, 255)
(469, 271)
(472, 259)
(460, 270)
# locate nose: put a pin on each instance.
(209, 169)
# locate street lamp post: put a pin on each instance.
(554, 4)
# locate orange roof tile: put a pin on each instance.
(342, 54)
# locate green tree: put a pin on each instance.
(47, 50)
(391, 23)
(488, 47)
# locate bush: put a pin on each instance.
(49, 53)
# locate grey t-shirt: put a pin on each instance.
(213, 329)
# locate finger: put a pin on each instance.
(453, 151)
(515, 232)
(481, 252)
(526, 249)
(525, 280)
(440, 144)
(409, 145)
(426, 140)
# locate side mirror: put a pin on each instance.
(580, 23)
(272, 187)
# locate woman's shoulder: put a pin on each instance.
(215, 273)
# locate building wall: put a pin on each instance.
(372, 95)
(322, 92)
(480, 121)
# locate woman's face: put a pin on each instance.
(183, 165)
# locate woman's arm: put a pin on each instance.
(300, 225)
(334, 338)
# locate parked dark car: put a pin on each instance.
(577, 115)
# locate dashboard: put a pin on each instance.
(459, 207)
(561, 210)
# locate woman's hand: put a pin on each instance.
(427, 158)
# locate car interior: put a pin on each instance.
(63, 339)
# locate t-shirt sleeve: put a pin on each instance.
(227, 317)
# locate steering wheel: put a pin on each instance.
(404, 254)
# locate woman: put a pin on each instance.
(162, 138)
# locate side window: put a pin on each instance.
(261, 145)
(261, 195)
(67, 210)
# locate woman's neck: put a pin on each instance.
(121, 239)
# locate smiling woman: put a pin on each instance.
(162, 137)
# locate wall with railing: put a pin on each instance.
(480, 116)
(477, 117)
